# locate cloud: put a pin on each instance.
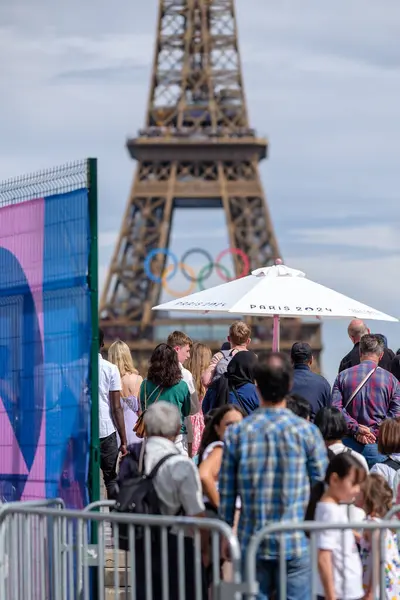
(322, 81)
(374, 237)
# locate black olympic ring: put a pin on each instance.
(209, 267)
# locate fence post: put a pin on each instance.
(94, 361)
(93, 281)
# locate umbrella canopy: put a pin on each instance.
(277, 290)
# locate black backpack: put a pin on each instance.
(137, 495)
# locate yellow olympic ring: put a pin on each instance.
(191, 287)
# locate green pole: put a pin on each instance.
(94, 489)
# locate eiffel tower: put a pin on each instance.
(197, 150)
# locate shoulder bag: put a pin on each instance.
(359, 388)
(138, 428)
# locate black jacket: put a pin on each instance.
(395, 367)
(353, 358)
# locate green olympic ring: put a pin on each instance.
(201, 276)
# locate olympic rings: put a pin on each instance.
(151, 255)
(238, 252)
(212, 265)
(209, 266)
(192, 285)
(189, 273)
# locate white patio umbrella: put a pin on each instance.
(276, 291)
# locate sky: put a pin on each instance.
(322, 82)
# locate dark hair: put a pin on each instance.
(341, 464)
(371, 344)
(331, 423)
(398, 352)
(383, 339)
(274, 377)
(378, 495)
(215, 417)
(301, 353)
(226, 346)
(164, 369)
(101, 338)
(389, 436)
(299, 406)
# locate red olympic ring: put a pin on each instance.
(238, 252)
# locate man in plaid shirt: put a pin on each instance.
(269, 460)
(378, 399)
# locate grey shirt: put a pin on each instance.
(177, 483)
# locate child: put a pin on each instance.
(377, 497)
(299, 406)
(389, 445)
(339, 563)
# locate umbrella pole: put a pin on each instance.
(276, 334)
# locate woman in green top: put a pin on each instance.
(164, 382)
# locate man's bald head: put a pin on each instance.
(356, 330)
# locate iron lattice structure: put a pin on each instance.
(196, 150)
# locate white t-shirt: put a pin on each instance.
(194, 401)
(388, 472)
(347, 567)
(109, 381)
(339, 448)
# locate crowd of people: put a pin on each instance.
(260, 441)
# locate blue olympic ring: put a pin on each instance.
(149, 258)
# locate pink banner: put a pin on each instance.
(21, 233)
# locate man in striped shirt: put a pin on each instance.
(378, 399)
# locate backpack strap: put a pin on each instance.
(392, 464)
(155, 469)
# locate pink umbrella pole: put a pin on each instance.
(276, 334)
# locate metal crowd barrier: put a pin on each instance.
(47, 554)
(312, 528)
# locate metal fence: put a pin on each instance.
(312, 529)
(46, 554)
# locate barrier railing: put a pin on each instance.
(279, 530)
(154, 557)
(46, 554)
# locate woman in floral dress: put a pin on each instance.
(377, 501)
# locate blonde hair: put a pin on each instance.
(199, 361)
(120, 355)
(239, 333)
